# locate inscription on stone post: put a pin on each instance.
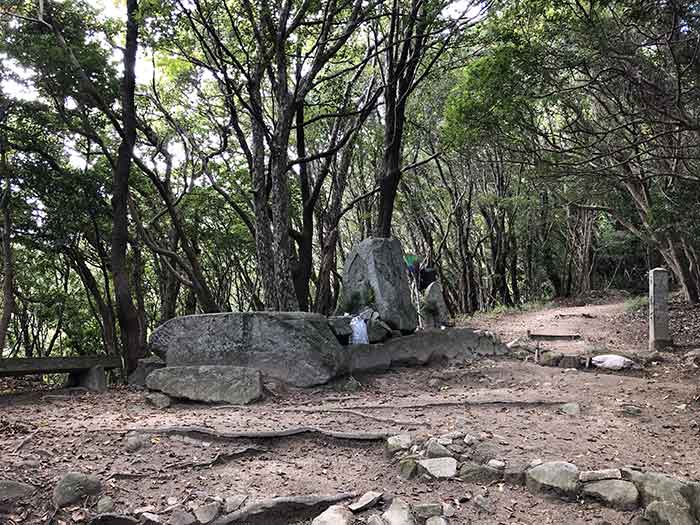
(659, 335)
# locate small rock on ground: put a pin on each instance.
(334, 515)
(559, 477)
(427, 510)
(399, 513)
(104, 504)
(399, 442)
(207, 513)
(366, 501)
(570, 409)
(181, 517)
(439, 468)
(233, 503)
(437, 520)
(597, 475)
(435, 449)
(158, 400)
(74, 486)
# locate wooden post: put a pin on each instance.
(659, 335)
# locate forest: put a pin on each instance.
(159, 158)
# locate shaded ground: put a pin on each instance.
(86, 432)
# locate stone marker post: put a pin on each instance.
(659, 336)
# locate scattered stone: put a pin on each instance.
(558, 477)
(158, 400)
(375, 276)
(399, 513)
(598, 475)
(143, 369)
(448, 510)
(667, 513)
(232, 503)
(181, 517)
(211, 384)
(434, 449)
(470, 440)
(297, 348)
(437, 520)
(334, 515)
(399, 442)
(476, 473)
(12, 491)
(631, 410)
(424, 511)
(73, 487)
(366, 501)
(482, 504)
(439, 468)
(348, 384)
(375, 519)
(104, 504)
(206, 513)
(570, 409)
(497, 464)
(434, 309)
(133, 443)
(408, 467)
(615, 493)
(150, 518)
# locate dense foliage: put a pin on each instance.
(198, 156)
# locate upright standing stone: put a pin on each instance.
(659, 335)
(375, 276)
(434, 310)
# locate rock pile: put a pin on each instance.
(666, 500)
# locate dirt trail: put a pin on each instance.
(600, 326)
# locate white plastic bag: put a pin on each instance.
(613, 362)
(359, 331)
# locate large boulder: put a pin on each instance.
(294, 347)
(211, 384)
(434, 309)
(375, 277)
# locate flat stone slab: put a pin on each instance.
(615, 493)
(439, 468)
(297, 348)
(210, 384)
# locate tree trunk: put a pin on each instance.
(8, 283)
(126, 311)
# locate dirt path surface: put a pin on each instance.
(514, 405)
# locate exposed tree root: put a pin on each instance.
(221, 457)
(449, 403)
(352, 413)
(262, 434)
(264, 511)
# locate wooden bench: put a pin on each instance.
(86, 371)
